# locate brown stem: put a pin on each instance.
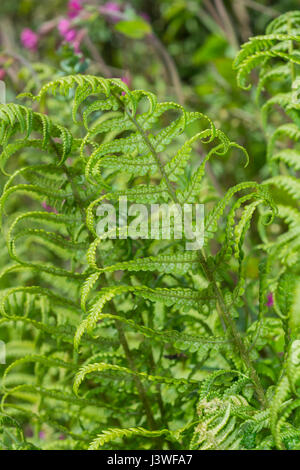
(242, 15)
(157, 44)
(227, 24)
(262, 8)
(214, 14)
(104, 69)
(169, 64)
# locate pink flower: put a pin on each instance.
(127, 82)
(74, 8)
(42, 435)
(69, 34)
(49, 208)
(76, 45)
(2, 74)
(112, 10)
(79, 37)
(270, 301)
(64, 26)
(29, 39)
(61, 437)
(112, 6)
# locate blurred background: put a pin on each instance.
(180, 49)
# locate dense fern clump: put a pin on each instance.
(140, 343)
(278, 55)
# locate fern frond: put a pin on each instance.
(103, 367)
(111, 434)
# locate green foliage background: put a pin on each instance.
(139, 344)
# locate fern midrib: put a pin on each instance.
(223, 313)
(171, 190)
(141, 390)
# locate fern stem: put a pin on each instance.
(291, 48)
(230, 324)
(171, 190)
(153, 152)
(138, 383)
(225, 316)
(158, 390)
(140, 387)
(119, 326)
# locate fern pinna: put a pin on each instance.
(278, 56)
(114, 342)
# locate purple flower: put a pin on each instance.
(29, 39)
(49, 208)
(74, 8)
(61, 437)
(2, 74)
(42, 435)
(270, 300)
